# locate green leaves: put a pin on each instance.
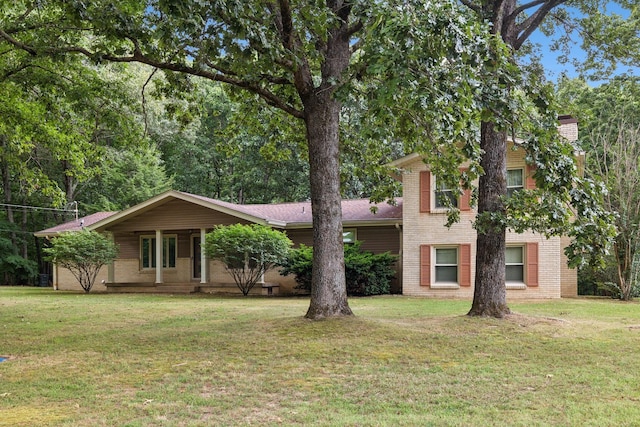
(247, 251)
(83, 253)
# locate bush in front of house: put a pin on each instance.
(366, 273)
(247, 251)
(83, 253)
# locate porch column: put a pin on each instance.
(111, 274)
(203, 257)
(159, 244)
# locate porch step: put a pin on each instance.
(152, 288)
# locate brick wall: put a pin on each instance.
(427, 228)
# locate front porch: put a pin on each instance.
(266, 289)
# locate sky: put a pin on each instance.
(554, 69)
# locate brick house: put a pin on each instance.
(433, 260)
(180, 221)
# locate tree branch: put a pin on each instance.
(476, 8)
(269, 97)
(17, 43)
(529, 25)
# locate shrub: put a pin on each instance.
(366, 273)
(247, 251)
(83, 253)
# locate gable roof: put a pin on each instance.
(278, 215)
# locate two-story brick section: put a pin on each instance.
(439, 261)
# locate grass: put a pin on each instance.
(159, 360)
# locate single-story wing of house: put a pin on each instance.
(180, 222)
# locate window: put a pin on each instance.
(446, 267)
(515, 181)
(148, 251)
(514, 264)
(349, 236)
(443, 193)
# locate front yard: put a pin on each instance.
(140, 360)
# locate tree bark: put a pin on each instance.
(489, 297)
(490, 294)
(328, 288)
(322, 120)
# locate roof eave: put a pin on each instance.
(349, 223)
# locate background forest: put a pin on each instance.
(78, 137)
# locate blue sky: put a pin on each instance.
(550, 59)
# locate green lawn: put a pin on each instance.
(141, 360)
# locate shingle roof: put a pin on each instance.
(75, 225)
(296, 214)
(300, 212)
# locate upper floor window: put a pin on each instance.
(515, 181)
(444, 193)
(148, 251)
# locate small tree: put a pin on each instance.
(83, 253)
(247, 251)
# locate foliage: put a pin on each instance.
(241, 158)
(612, 131)
(127, 176)
(83, 253)
(366, 273)
(247, 251)
(14, 269)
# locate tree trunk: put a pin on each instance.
(322, 120)
(328, 287)
(489, 298)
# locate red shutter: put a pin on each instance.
(465, 197)
(532, 264)
(425, 265)
(529, 181)
(425, 191)
(465, 200)
(465, 265)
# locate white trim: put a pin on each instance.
(159, 258)
(203, 257)
(434, 266)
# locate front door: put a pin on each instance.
(196, 260)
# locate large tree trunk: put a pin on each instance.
(489, 297)
(322, 120)
(328, 288)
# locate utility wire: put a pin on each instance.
(37, 208)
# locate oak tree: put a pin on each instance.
(292, 56)
(561, 190)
